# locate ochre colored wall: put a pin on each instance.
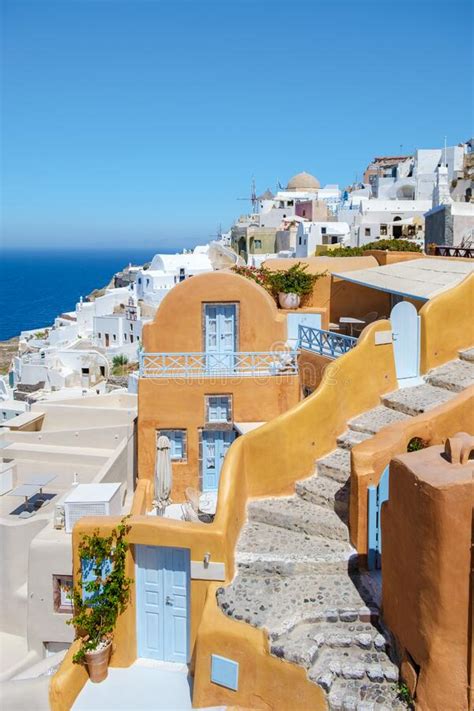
(264, 462)
(447, 324)
(384, 257)
(265, 682)
(339, 297)
(178, 324)
(169, 404)
(426, 560)
(311, 368)
(370, 458)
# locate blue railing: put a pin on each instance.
(209, 365)
(325, 343)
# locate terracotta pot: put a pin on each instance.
(98, 664)
(289, 301)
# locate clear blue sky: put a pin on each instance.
(139, 122)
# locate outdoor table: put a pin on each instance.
(208, 502)
(351, 322)
(26, 490)
(40, 480)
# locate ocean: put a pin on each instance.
(37, 286)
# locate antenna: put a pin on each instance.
(445, 152)
(253, 195)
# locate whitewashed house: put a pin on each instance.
(311, 235)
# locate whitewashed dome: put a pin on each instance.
(303, 182)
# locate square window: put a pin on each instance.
(177, 440)
(367, 231)
(323, 230)
(218, 408)
(257, 244)
(62, 593)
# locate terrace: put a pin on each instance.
(210, 365)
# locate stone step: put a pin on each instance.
(296, 514)
(352, 663)
(266, 549)
(420, 398)
(351, 438)
(278, 603)
(363, 695)
(305, 642)
(467, 354)
(376, 419)
(336, 465)
(455, 376)
(326, 492)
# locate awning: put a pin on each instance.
(417, 278)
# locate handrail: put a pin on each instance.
(323, 342)
(197, 365)
(444, 250)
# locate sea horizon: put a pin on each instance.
(38, 285)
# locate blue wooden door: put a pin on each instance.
(376, 496)
(162, 579)
(406, 340)
(214, 447)
(220, 337)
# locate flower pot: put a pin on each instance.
(98, 663)
(289, 301)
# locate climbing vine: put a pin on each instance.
(103, 590)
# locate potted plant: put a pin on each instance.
(291, 284)
(101, 594)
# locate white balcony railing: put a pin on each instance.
(209, 365)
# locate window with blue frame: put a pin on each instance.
(177, 440)
(218, 408)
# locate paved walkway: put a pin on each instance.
(145, 686)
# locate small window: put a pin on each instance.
(218, 408)
(62, 593)
(177, 440)
(299, 241)
(324, 230)
(115, 337)
(304, 213)
(139, 280)
(131, 338)
(100, 335)
(258, 244)
(383, 230)
(125, 335)
(367, 231)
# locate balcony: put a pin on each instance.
(211, 365)
(325, 343)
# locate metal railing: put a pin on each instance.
(443, 250)
(209, 365)
(325, 343)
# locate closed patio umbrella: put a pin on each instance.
(163, 474)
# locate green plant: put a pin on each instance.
(403, 693)
(416, 443)
(393, 245)
(294, 280)
(108, 592)
(41, 334)
(257, 274)
(342, 252)
(118, 364)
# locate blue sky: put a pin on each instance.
(140, 122)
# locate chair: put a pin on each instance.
(368, 318)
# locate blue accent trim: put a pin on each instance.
(224, 672)
(377, 495)
(380, 288)
(325, 343)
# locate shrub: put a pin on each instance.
(294, 280)
(342, 252)
(394, 245)
(258, 274)
(95, 619)
(416, 443)
(119, 363)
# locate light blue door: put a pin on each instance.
(214, 448)
(220, 337)
(406, 340)
(162, 578)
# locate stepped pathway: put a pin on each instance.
(297, 574)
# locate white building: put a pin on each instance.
(166, 270)
(311, 235)
(385, 219)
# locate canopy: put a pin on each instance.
(416, 278)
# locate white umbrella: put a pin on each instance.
(163, 474)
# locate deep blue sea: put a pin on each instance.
(37, 286)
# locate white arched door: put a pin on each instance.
(406, 340)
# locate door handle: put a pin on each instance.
(169, 600)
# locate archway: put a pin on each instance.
(397, 229)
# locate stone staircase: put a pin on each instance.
(297, 575)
